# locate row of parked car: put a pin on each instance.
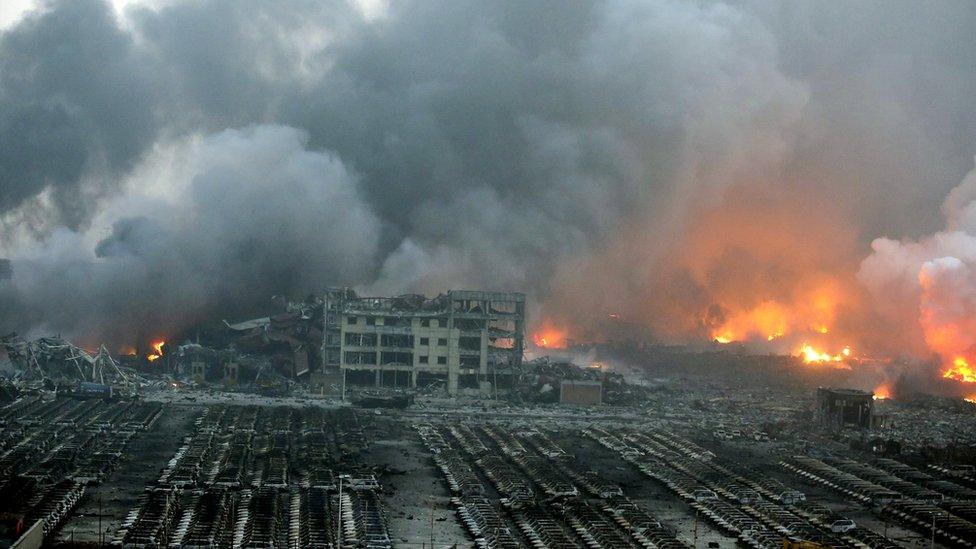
(537, 482)
(945, 527)
(850, 485)
(912, 497)
(53, 448)
(263, 477)
(760, 511)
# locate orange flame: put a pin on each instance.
(812, 356)
(960, 371)
(549, 337)
(809, 312)
(769, 320)
(157, 351)
(882, 392)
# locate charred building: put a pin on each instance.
(845, 408)
(467, 341)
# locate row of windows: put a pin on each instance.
(394, 321)
(360, 357)
(389, 340)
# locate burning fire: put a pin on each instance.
(549, 337)
(811, 355)
(809, 313)
(768, 320)
(960, 371)
(157, 351)
(947, 316)
(882, 392)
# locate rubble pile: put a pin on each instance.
(56, 361)
(541, 379)
(264, 354)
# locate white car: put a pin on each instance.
(842, 526)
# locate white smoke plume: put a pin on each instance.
(928, 286)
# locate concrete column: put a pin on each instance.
(379, 378)
(413, 379)
(452, 381)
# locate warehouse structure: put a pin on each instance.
(468, 341)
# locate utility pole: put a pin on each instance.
(432, 524)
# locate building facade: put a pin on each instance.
(467, 341)
(845, 408)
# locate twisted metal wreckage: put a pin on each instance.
(58, 360)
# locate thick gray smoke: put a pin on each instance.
(186, 160)
(241, 215)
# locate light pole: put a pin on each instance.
(932, 544)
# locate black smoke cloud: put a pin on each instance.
(185, 161)
(75, 103)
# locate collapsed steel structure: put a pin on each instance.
(57, 359)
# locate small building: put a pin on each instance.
(581, 392)
(845, 408)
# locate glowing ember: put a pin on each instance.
(960, 371)
(811, 355)
(882, 392)
(723, 339)
(157, 351)
(971, 399)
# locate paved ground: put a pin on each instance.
(418, 505)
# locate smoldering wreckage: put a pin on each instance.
(297, 351)
(266, 354)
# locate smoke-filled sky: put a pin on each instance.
(689, 166)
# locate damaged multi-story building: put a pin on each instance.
(467, 341)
